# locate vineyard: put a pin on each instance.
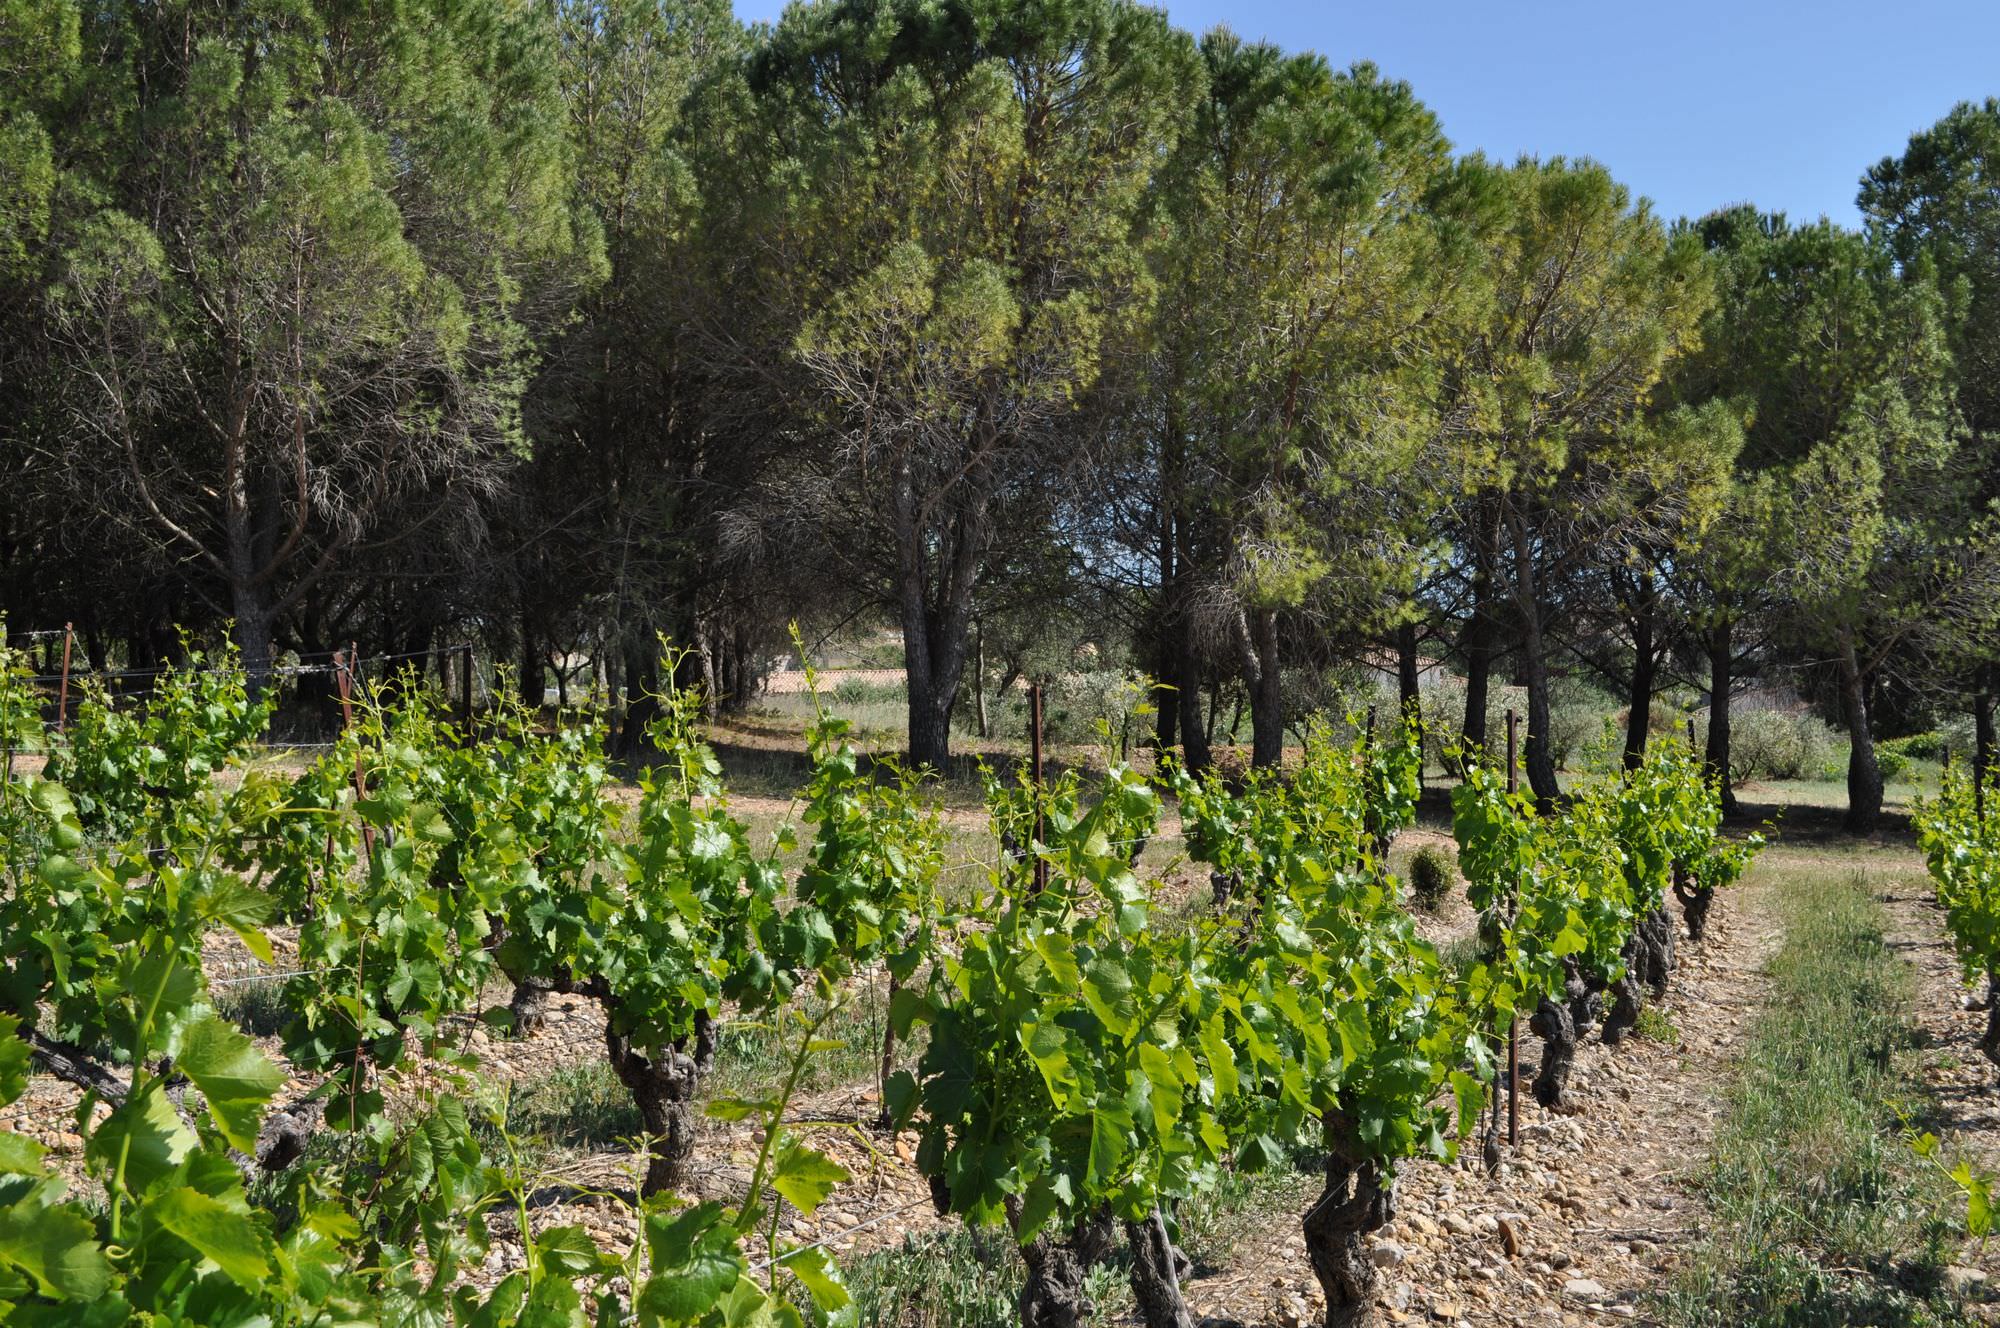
(1079, 1056)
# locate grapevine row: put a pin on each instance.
(1095, 1052)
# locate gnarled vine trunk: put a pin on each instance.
(663, 1083)
(1989, 1043)
(1555, 1022)
(1354, 1203)
(1695, 900)
(1623, 1016)
(1656, 949)
(1053, 1295)
(1157, 1269)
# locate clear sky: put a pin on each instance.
(1694, 103)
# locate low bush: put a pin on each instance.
(1779, 744)
(1432, 872)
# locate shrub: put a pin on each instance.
(1432, 872)
(1893, 762)
(1778, 744)
(1578, 717)
(1444, 715)
(850, 693)
(1918, 746)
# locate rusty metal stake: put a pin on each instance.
(465, 687)
(62, 696)
(343, 672)
(1035, 754)
(1513, 1024)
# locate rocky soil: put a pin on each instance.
(1585, 1215)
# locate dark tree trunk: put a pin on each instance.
(1195, 751)
(255, 626)
(1721, 681)
(705, 675)
(1537, 757)
(1354, 1203)
(1638, 720)
(1481, 633)
(1864, 776)
(1409, 685)
(1156, 1274)
(936, 613)
(664, 1084)
(642, 683)
(1982, 727)
(1166, 636)
(1265, 683)
(930, 731)
(534, 666)
(1053, 1295)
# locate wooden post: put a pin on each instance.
(1513, 772)
(1035, 755)
(343, 673)
(465, 690)
(62, 696)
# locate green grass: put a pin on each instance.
(1822, 1215)
(753, 1057)
(1655, 1026)
(580, 1106)
(256, 1007)
(953, 1279)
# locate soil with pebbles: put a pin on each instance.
(1588, 1213)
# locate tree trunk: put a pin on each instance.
(979, 679)
(534, 678)
(1721, 681)
(1864, 776)
(1478, 641)
(1982, 728)
(1053, 1295)
(664, 1085)
(1409, 686)
(704, 661)
(936, 619)
(1267, 709)
(1156, 1274)
(253, 632)
(1354, 1203)
(930, 730)
(1537, 757)
(642, 706)
(1196, 753)
(1638, 720)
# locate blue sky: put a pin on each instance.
(1693, 103)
